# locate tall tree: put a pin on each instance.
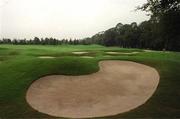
(167, 14)
(36, 40)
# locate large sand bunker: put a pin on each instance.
(119, 86)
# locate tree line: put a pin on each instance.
(145, 35)
(160, 32)
(42, 41)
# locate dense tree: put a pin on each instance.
(167, 14)
(36, 40)
(110, 37)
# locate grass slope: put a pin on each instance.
(20, 66)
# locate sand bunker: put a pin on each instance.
(79, 53)
(149, 51)
(119, 86)
(156, 51)
(46, 57)
(116, 53)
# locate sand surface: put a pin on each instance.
(79, 53)
(149, 51)
(46, 57)
(119, 86)
(116, 53)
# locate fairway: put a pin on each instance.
(23, 65)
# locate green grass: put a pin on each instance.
(20, 66)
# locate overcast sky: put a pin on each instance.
(65, 18)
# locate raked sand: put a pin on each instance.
(118, 87)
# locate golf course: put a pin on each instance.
(88, 81)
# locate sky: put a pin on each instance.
(65, 18)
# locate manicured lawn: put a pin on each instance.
(20, 65)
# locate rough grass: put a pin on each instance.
(20, 66)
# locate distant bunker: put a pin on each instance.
(124, 53)
(118, 87)
(46, 57)
(79, 53)
(87, 57)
